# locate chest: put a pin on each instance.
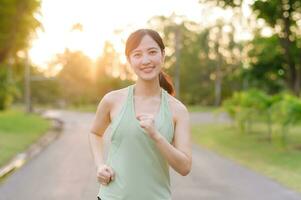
(141, 106)
(147, 106)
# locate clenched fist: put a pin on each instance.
(105, 174)
(147, 122)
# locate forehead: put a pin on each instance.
(147, 42)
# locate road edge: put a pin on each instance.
(34, 149)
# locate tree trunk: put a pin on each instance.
(286, 43)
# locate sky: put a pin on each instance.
(100, 19)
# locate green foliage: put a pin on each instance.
(196, 61)
(245, 106)
(45, 92)
(288, 112)
(75, 78)
(282, 17)
(266, 69)
(17, 26)
(7, 89)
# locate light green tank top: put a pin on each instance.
(141, 172)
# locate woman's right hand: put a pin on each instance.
(105, 174)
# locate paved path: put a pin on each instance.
(65, 171)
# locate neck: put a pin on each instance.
(147, 88)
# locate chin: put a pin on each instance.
(146, 77)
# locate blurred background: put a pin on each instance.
(72, 52)
(241, 58)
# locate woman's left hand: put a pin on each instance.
(147, 122)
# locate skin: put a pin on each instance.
(146, 61)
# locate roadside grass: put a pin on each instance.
(279, 162)
(17, 131)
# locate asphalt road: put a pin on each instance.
(65, 171)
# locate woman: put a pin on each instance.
(150, 128)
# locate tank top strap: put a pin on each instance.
(166, 108)
(125, 106)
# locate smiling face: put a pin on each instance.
(146, 59)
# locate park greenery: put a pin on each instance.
(256, 80)
(213, 62)
(15, 139)
(253, 106)
(254, 151)
(18, 25)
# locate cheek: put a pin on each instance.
(159, 59)
(158, 64)
(134, 63)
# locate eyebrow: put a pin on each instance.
(151, 48)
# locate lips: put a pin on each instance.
(148, 69)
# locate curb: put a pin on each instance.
(34, 149)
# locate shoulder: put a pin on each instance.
(178, 109)
(114, 96)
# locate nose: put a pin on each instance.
(145, 59)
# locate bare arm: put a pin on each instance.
(99, 125)
(177, 154)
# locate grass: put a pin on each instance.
(17, 131)
(253, 150)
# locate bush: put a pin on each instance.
(254, 105)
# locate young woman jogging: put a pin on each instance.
(149, 128)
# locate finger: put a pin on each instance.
(111, 173)
(104, 173)
(104, 183)
(142, 124)
(101, 180)
(104, 180)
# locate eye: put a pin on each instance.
(136, 55)
(153, 52)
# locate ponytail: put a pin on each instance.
(166, 83)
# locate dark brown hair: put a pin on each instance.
(134, 40)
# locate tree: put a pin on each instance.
(75, 78)
(17, 27)
(282, 16)
(265, 70)
(199, 49)
(110, 72)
